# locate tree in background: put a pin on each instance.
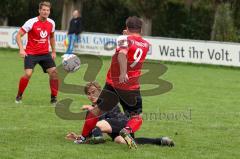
(105, 16)
(225, 18)
(236, 16)
(191, 19)
(223, 28)
(224, 12)
(180, 19)
(10, 10)
(16, 12)
(146, 9)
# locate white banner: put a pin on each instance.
(178, 50)
(205, 52)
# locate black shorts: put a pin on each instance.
(45, 61)
(117, 125)
(131, 101)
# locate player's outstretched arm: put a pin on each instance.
(22, 52)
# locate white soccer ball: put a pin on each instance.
(71, 63)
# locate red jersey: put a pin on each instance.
(137, 49)
(38, 35)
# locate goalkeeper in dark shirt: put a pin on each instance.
(111, 123)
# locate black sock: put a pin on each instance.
(153, 141)
(96, 132)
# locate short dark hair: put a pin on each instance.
(134, 24)
(44, 3)
(90, 84)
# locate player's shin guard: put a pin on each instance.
(97, 132)
(22, 85)
(54, 87)
(97, 136)
(134, 123)
(90, 123)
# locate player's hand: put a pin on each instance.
(87, 107)
(22, 53)
(71, 136)
(123, 78)
(54, 55)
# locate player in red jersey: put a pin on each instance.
(122, 82)
(40, 32)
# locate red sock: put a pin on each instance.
(54, 87)
(134, 123)
(90, 123)
(22, 85)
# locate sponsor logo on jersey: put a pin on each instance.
(43, 34)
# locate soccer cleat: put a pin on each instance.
(128, 138)
(166, 141)
(18, 100)
(91, 140)
(80, 140)
(53, 100)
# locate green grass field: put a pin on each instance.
(33, 130)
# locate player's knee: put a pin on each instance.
(28, 75)
(100, 125)
(104, 126)
(119, 140)
(53, 74)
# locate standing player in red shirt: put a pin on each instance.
(40, 31)
(122, 82)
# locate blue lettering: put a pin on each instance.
(14, 42)
(83, 39)
(14, 38)
(60, 37)
(103, 40)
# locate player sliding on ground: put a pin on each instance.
(40, 31)
(111, 123)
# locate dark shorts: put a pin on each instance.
(131, 101)
(45, 61)
(117, 125)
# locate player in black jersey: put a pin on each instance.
(111, 122)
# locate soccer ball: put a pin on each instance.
(71, 63)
